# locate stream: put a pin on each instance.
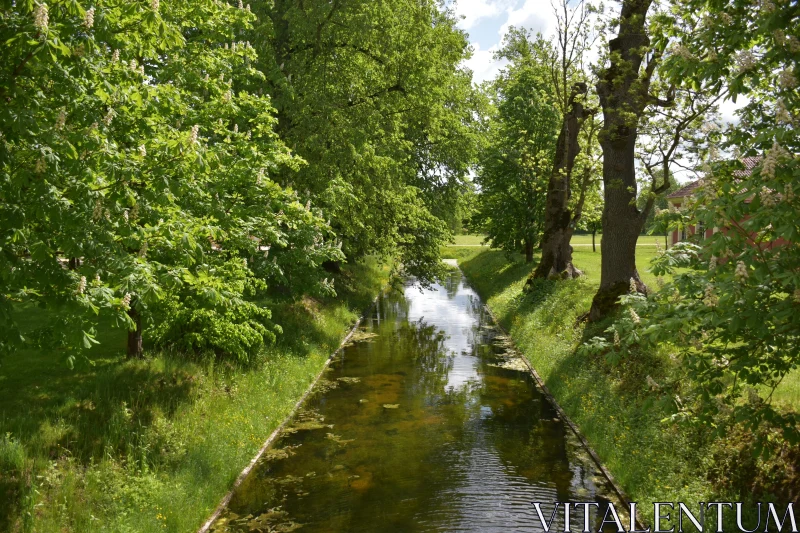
(427, 421)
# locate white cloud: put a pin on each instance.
(482, 63)
(534, 15)
(474, 11)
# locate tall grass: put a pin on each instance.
(152, 445)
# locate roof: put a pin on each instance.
(686, 190)
(749, 164)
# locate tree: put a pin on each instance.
(736, 312)
(127, 154)
(372, 96)
(561, 218)
(521, 141)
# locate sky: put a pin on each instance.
(486, 22)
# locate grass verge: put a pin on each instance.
(153, 445)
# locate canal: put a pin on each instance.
(428, 421)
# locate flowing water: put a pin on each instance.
(427, 422)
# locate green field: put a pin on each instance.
(579, 240)
(152, 445)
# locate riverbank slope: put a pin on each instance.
(154, 444)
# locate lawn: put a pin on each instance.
(577, 240)
(154, 444)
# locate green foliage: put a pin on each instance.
(373, 97)
(131, 144)
(522, 132)
(734, 318)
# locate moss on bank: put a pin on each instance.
(153, 445)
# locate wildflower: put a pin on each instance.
(787, 79)
(634, 288)
(82, 285)
(40, 17)
(115, 56)
(142, 151)
(712, 263)
(741, 272)
(88, 18)
(652, 383)
(709, 298)
(154, 5)
(634, 316)
(768, 198)
(745, 61)
(616, 338)
(41, 165)
(61, 120)
(109, 117)
(126, 301)
(782, 115)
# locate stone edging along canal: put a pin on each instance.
(206, 527)
(581, 437)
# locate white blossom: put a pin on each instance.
(41, 18)
(308, 205)
(126, 301)
(241, 5)
(787, 79)
(88, 18)
(141, 69)
(193, 135)
(709, 298)
(41, 165)
(109, 117)
(768, 198)
(633, 287)
(771, 160)
(235, 128)
(154, 5)
(82, 285)
(767, 6)
(247, 7)
(745, 61)
(616, 338)
(227, 96)
(652, 383)
(133, 65)
(782, 115)
(794, 44)
(727, 20)
(788, 194)
(97, 278)
(634, 316)
(115, 56)
(741, 272)
(142, 151)
(206, 78)
(780, 37)
(248, 135)
(126, 215)
(61, 120)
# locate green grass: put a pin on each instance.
(579, 240)
(612, 405)
(153, 445)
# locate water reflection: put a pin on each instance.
(426, 426)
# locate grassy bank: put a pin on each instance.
(153, 445)
(613, 405)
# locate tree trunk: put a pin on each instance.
(624, 94)
(556, 261)
(135, 336)
(528, 251)
(594, 232)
